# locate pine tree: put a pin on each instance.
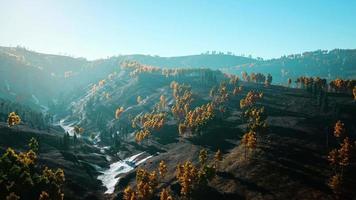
(335, 183)
(118, 112)
(164, 195)
(13, 119)
(33, 144)
(129, 194)
(203, 156)
(44, 196)
(289, 82)
(162, 169)
(217, 158)
(345, 152)
(339, 129)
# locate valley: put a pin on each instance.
(133, 116)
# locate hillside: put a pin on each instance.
(337, 63)
(31, 78)
(115, 120)
(289, 162)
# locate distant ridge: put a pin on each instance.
(26, 74)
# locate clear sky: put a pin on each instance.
(101, 28)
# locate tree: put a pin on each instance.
(250, 99)
(245, 76)
(335, 183)
(20, 176)
(268, 80)
(118, 112)
(212, 92)
(147, 123)
(33, 144)
(146, 184)
(191, 177)
(141, 135)
(139, 99)
(13, 119)
(256, 119)
(339, 129)
(187, 176)
(199, 117)
(162, 169)
(333, 157)
(237, 90)
(289, 82)
(182, 128)
(340, 158)
(78, 130)
(44, 196)
(162, 102)
(203, 156)
(217, 158)
(164, 195)
(129, 194)
(354, 92)
(249, 141)
(345, 152)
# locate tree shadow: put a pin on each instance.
(217, 135)
(248, 184)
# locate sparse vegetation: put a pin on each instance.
(22, 178)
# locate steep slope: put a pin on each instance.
(289, 161)
(34, 78)
(282, 166)
(80, 161)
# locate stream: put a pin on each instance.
(110, 177)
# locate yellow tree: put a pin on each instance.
(339, 158)
(44, 196)
(345, 152)
(203, 156)
(141, 135)
(249, 141)
(187, 176)
(146, 183)
(335, 183)
(33, 144)
(13, 119)
(339, 129)
(118, 112)
(162, 169)
(182, 128)
(333, 157)
(164, 195)
(129, 194)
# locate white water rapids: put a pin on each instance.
(109, 177)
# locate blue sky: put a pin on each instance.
(97, 29)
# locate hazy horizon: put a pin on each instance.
(210, 53)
